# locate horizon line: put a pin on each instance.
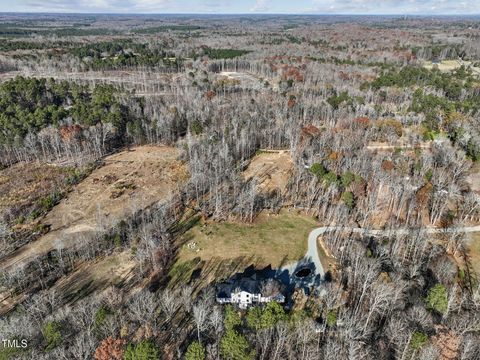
(239, 13)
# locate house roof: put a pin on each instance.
(250, 280)
(249, 284)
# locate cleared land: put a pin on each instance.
(22, 185)
(270, 170)
(214, 251)
(243, 79)
(92, 276)
(270, 240)
(129, 181)
(382, 146)
(451, 65)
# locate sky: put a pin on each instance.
(417, 7)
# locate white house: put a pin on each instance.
(245, 291)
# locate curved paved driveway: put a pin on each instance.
(312, 257)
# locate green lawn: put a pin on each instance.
(270, 240)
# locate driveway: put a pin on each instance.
(311, 260)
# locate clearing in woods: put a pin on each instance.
(129, 181)
(270, 240)
(270, 170)
(451, 65)
(24, 184)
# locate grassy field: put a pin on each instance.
(451, 65)
(221, 248)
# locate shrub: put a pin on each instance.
(428, 175)
(195, 351)
(347, 198)
(437, 298)
(330, 178)
(331, 318)
(336, 100)
(145, 350)
(418, 340)
(347, 178)
(7, 353)
(196, 127)
(473, 150)
(318, 170)
(46, 203)
(52, 335)
(100, 317)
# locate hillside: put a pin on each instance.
(239, 187)
(125, 184)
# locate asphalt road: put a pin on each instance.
(312, 256)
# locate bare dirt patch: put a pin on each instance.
(129, 181)
(382, 211)
(240, 78)
(271, 171)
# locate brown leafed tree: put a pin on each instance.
(110, 349)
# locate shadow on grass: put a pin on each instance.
(83, 284)
(199, 273)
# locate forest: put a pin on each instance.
(145, 160)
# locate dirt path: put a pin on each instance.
(384, 146)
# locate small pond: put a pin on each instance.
(303, 272)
